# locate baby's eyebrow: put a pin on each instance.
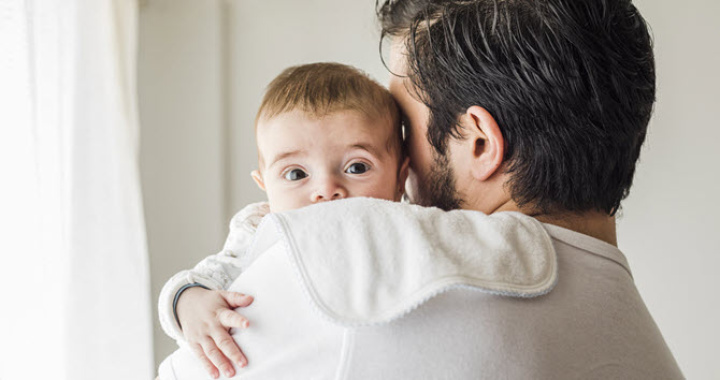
(366, 147)
(284, 155)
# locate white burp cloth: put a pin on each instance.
(365, 261)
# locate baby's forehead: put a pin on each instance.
(377, 130)
(377, 123)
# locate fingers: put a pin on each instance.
(218, 359)
(207, 332)
(200, 354)
(230, 318)
(228, 346)
(235, 299)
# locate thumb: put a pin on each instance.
(235, 299)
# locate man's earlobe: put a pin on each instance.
(257, 177)
(488, 148)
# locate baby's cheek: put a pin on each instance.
(381, 189)
(284, 199)
(278, 200)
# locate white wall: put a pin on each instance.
(190, 69)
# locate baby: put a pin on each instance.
(325, 131)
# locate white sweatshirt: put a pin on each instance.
(367, 289)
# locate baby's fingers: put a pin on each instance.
(230, 318)
(200, 354)
(217, 357)
(228, 346)
(235, 299)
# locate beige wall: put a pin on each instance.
(268, 36)
(182, 131)
(203, 66)
(670, 225)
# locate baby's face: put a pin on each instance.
(306, 160)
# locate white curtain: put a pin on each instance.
(73, 267)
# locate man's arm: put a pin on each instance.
(287, 339)
(215, 272)
(207, 322)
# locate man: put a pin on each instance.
(536, 107)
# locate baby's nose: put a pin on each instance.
(329, 191)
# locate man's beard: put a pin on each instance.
(439, 187)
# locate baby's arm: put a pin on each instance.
(206, 323)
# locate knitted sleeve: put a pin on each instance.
(216, 271)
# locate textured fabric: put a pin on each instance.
(381, 259)
(592, 325)
(217, 271)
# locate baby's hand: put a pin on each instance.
(206, 317)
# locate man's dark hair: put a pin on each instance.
(571, 84)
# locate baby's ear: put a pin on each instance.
(402, 175)
(257, 177)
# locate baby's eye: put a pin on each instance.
(357, 168)
(295, 175)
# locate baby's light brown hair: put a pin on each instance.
(320, 89)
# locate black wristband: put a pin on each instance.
(177, 297)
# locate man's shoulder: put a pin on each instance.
(370, 261)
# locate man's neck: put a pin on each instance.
(592, 223)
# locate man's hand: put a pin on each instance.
(206, 317)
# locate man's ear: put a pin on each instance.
(484, 140)
(402, 176)
(257, 177)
